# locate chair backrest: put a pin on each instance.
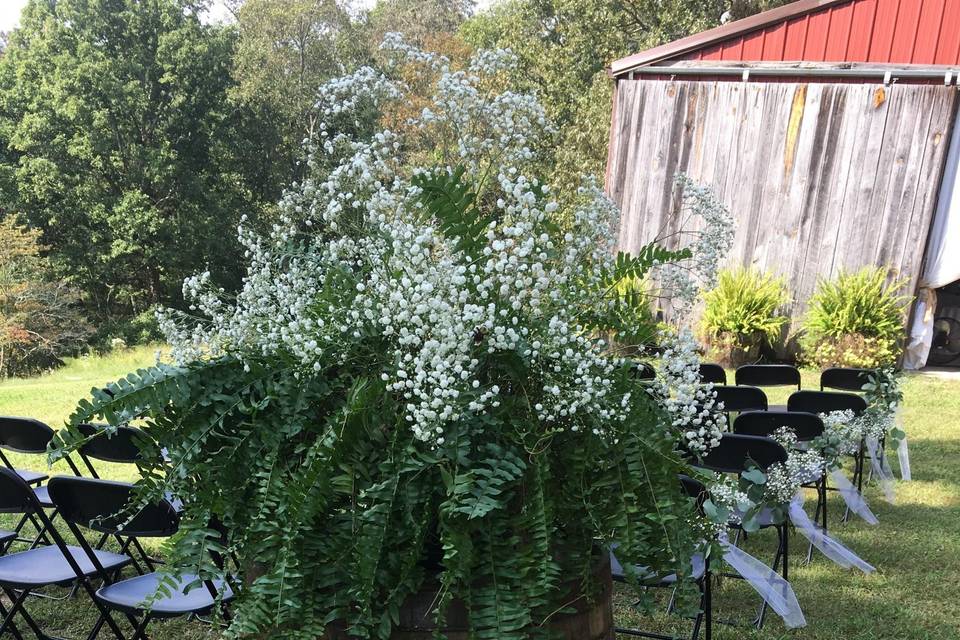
(16, 496)
(807, 426)
(694, 489)
(712, 373)
(118, 446)
(825, 402)
(106, 506)
(642, 370)
(736, 452)
(768, 375)
(24, 435)
(741, 398)
(844, 378)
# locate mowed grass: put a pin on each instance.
(915, 548)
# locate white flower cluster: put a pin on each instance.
(725, 492)
(709, 222)
(356, 271)
(847, 430)
(802, 466)
(696, 415)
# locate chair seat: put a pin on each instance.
(47, 565)
(764, 518)
(645, 574)
(129, 595)
(777, 407)
(6, 537)
(31, 477)
(43, 496)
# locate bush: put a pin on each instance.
(40, 321)
(741, 314)
(136, 330)
(855, 320)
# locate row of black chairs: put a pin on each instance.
(750, 444)
(784, 375)
(736, 453)
(96, 506)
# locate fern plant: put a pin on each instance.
(743, 312)
(855, 320)
(409, 393)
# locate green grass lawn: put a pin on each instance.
(915, 548)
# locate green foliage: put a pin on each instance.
(336, 512)
(741, 312)
(40, 319)
(449, 200)
(625, 312)
(565, 46)
(855, 320)
(285, 50)
(122, 147)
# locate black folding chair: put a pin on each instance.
(642, 370)
(845, 379)
(768, 375)
(29, 436)
(700, 571)
(58, 564)
(807, 427)
(739, 399)
(736, 454)
(712, 373)
(108, 508)
(821, 402)
(118, 445)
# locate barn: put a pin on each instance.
(828, 128)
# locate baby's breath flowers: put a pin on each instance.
(357, 258)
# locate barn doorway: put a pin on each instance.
(945, 346)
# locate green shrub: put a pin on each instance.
(741, 314)
(855, 320)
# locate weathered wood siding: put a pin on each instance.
(820, 177)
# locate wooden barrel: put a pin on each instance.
(590, 620)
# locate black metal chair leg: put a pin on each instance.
(141, 631)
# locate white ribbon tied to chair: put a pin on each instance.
(852, 497)
(903, 455)
(881, 469)
(771, 586)
(829, 547)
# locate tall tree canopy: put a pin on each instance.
(286, 50)
(121, 146)
(564, 46)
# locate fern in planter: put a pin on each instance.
(855, 320)
(742, 313)
(409, 391)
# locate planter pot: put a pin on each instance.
(590, 620)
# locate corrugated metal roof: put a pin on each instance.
(881, 31)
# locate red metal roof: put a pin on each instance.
(924, 32)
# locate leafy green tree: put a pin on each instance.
(286, 50)
(418, 20)
(40, 318)
(119, 143)
(564, 47)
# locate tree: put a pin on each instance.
(417, 20)
(119, 143)
(39, 316)
(564, 47)
(286, 50)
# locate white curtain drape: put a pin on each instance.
(943, 257)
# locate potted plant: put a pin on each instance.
(405, 419)
(741, 315)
